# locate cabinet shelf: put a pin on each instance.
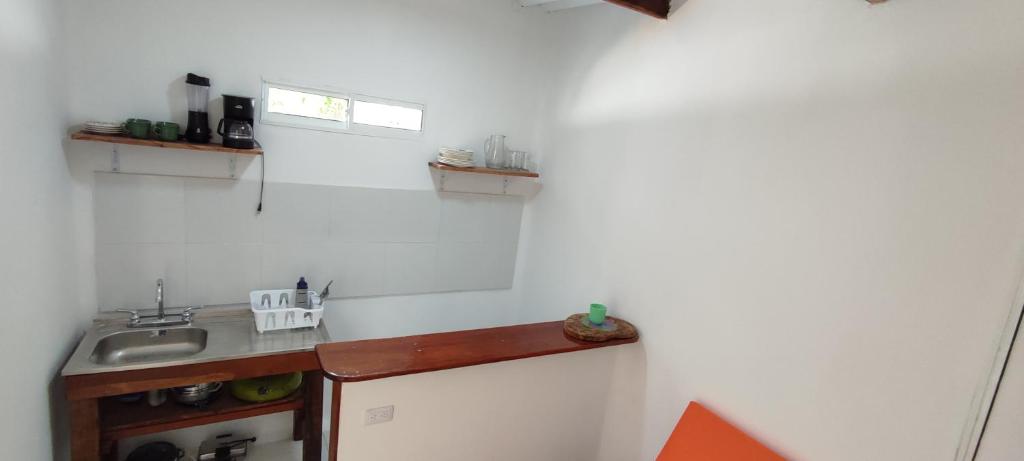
(120, 420)
(480, 170)
(123, 139)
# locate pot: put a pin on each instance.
(196, 394)
(156, 451)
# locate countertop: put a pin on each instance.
(381, 358)
(231, 335)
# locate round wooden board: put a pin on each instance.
(578, 326)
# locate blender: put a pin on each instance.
(198, 91)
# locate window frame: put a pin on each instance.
(348, 127)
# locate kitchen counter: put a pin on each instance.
(352, 361)
(234, 350)
(231, 335)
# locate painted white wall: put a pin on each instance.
(37, 276)
(473, 64)
(546, 408)
(811, 210)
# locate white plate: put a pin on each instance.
(458, 164)
(110, 125)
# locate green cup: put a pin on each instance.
(598, 313)
(166, 131)
(137, 127)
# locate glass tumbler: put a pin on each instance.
(516, 160)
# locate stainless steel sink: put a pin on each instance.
(143, 346)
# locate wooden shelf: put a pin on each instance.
(364, 360)
(478, 170)
(120, 420)
(123, 139)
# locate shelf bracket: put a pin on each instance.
(233, 166)
(504, 186)
(115, 159)
(444, 178)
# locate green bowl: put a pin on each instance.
(266, 388)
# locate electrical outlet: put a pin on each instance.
(380, 415)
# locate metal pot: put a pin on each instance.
(156, 451)
(196, 394)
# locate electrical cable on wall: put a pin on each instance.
(263, 172)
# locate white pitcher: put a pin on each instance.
(494, 151)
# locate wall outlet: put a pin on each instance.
(380, 415)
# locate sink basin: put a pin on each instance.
(148, 346)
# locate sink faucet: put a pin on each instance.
(160, 299)
(160, 319)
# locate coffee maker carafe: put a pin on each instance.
(237, 125)
(198, 91)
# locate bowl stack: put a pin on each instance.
(455, 157)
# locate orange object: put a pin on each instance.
(702, 436)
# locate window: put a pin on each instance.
(328, 110)
(387, 115)
(291, 102)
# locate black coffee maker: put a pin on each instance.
(237, 125)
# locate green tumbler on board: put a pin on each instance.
(597, 313)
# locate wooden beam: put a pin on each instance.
(656, 8)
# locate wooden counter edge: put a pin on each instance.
(443, 351)
(91, 386)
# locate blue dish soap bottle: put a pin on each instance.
(302, 294)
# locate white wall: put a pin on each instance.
(36, 248)
(547, 408)
(811, 210)
(473, 64)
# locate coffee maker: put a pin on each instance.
(198, 91)
(237, 125)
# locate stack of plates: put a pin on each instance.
(104, 128)
(455, 157)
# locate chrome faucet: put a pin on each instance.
(160, 299)
(160, 319)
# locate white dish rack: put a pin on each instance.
(274, 310)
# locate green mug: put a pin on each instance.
(137, 127)
(166, 131)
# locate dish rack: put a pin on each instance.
(273, 310)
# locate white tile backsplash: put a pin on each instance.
(139, 209)
(410, 268)
(411, 217)
(284, 263)
(221, 211)
(357, 269)
(219, 273)
(357, 214)
(464, 218)
(126, 274)
(475, 266)
(295, 213)
(204, 238)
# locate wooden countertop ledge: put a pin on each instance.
(352, 361)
